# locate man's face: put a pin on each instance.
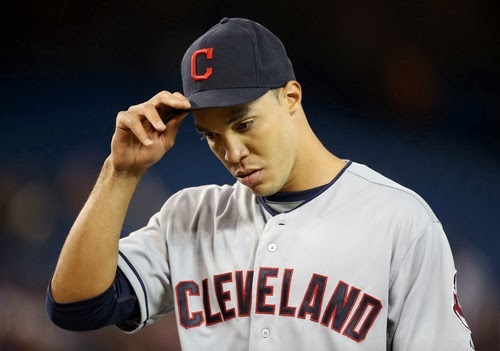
(255, 141)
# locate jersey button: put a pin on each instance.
(272, 247)
(265, 333)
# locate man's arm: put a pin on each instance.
(423, 301)
(88, 260)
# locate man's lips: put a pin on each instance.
(248, 177)
(246, 173)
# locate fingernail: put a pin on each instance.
(149, 142)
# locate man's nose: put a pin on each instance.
(235, 150)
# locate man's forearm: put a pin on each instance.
(88, 261)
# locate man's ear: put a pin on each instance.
(292, 95)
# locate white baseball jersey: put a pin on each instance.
(365, 265)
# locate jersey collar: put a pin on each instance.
(289, 201)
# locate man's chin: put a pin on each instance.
(262, 190)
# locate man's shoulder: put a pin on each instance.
(210, 202)
(371, 175)
(209, 195)
(387, 189)
(214, 190)
(377, 180)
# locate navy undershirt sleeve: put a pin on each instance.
(118, 305)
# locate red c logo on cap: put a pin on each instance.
(208, 72)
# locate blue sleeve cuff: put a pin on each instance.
(118, 305)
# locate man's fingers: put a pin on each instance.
(180, 96)
(153, 116)
(176, 100)
(133, 122)
(161, 110)
(163, 106)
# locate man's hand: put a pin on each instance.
(143, 134)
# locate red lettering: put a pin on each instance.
(223, 295)
(358, 327)
(342, 314)
(183, 290)
(339, 306)
(286, 310)
(244, 292)
(208, 52)
(264, 290)
(212, 318)
(313, 298)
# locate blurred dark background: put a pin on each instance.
(410, 88)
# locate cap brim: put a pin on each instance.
(224, 97)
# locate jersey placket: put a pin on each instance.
(268, 266)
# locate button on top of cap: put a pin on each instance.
(224, 20)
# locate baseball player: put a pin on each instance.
(304, 251)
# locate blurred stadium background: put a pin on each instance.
(409, 88)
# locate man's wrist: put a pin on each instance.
(131, 175)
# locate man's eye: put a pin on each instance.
(244, 125)
(208, 136)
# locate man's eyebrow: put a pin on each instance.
(240, 113)
(236, 115)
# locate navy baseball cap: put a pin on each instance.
(234, 62)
